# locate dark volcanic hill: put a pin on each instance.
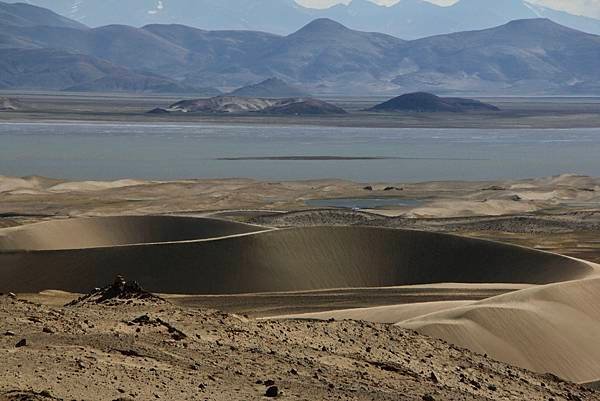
(233, 104)
(270, 88)
(421, 102)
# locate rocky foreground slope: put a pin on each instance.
(121, 343)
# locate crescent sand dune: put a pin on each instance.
(178, 255)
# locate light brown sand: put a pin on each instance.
(550, 328)
(553, 328)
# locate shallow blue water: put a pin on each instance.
(109, 151)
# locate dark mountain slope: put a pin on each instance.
(21, 14)
(130, 47)
(58, 70)
(521, 56)
(270, 88)
(327, 51)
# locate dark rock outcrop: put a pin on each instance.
(118, 292)
(422, 102)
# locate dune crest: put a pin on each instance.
(203, 256)
(96, 232)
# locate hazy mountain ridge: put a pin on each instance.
(407, 19)
(270, 88)
(521, 57)
(21, 14)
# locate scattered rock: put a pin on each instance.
(428, 397)
(9, 333)
(268, 383)
(119, 290)
(130, 353)
(272, 391)
(368, 188)
(21, 343)
(475, 384)
(27, 396)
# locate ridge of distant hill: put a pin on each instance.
(407, 19)
(523, 57)
(422, 102)
(272, 87)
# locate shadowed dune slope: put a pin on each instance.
(114, 231)
(285, 260)
(553, 328)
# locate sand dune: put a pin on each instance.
(79, 254)
(550, 328)
(382, 314)
(553, 328)
(82, 233)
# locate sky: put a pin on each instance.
(590, 8)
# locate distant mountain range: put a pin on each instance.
(407, 19)
(42, 50)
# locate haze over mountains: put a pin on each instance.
(408, 19)
(42, 50)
